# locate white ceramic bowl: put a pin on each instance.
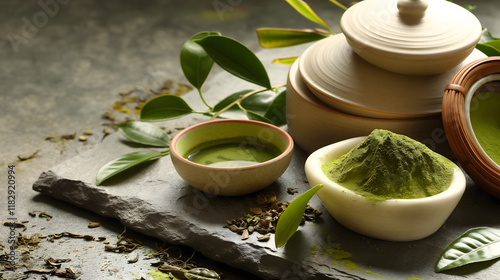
(393, 220)
(230, 181)
(313, 124)
(340, 78)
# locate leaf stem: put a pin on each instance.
(243, 97)
(203, 99)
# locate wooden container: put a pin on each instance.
(456, 120)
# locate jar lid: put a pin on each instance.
(411, 36)
(341, 79)
(456, 120)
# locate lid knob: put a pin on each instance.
(412, 9)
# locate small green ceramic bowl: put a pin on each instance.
(230, 178)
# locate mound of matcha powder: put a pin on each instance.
(387, 165)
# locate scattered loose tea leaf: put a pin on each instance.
(245, 234)
(51, 237)
(123, 245)
(264, 237)
(256, 211)
(292, 191)
(32, 214)
(118, 106)
(94, 224)
(108, 116)
(68, 136)
(15, 225)
(88, 132)
(265, 218)
(28, 242)
(45, 214)
(82, 138)
(24, 158)
(134, 260)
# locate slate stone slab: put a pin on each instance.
(154, 200)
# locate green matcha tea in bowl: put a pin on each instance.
(386, 186)
(231, 157)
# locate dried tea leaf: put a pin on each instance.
(118, 106)
(24, 158)
(134, 260)
(45, 214)
(88, 132)
(245, 234)
(108, 116)
(82, 138)
(68, 136)
(256, 211)
(261, 199)
(292, 191)
(264, 237)
(15, 225)
(94, 225)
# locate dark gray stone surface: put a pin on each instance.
(155, 201)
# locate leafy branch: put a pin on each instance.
(197, 58)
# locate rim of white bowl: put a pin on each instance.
(314, 161)
(283, 154)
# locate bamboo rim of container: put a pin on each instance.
(461, 139)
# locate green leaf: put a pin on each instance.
(195, 62)
(236, 59)
(487, 37)
(257, 103)
(165, 107)
(290, 219)
(338, 4)
(256, 117)
(285, 60)
(276, 112)
(144, 133)
(475, 245)
(123, 163)
(281, 37)
(306, 11)
(491, 48)
(469, 8)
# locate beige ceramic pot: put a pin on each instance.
(313, 124)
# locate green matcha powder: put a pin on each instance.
(485, 121)
(391, 166)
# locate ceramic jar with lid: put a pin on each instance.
(416, 37)
(392, 62)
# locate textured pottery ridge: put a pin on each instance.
(340, 78)
(442, 36)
